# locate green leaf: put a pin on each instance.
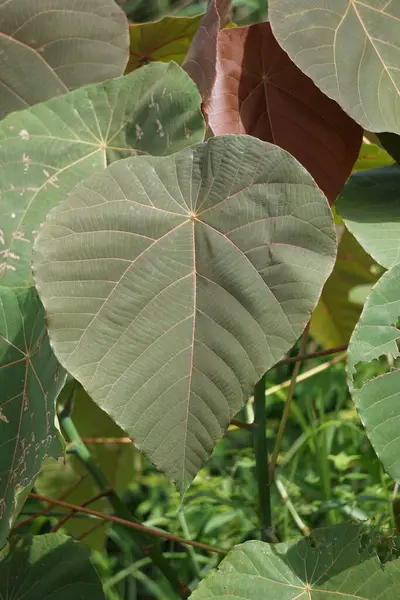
(370, 206)
(49, 48)
(47, 149)
(336, 315)
(69, 479)
(48, 566)
(378, 400)
(350, 50)
(30, 380)
(372, 157)
(333, 565)
(172, 284)
(165, 40)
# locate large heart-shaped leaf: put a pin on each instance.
(335, 564)
(46, 150)
(29, 384)
(69, 479)
(48, 48)
(260, 91)
(370, 206)
(50, 566)
(172, 284)
(163, 40)
(336, 315)
(350, 49)
(378, 401)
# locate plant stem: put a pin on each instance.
(301, 357)
(192, 553)
(261, 454)
(286, 408)
(306, 375)
(129, 523)
(142, 543)
(291, 508)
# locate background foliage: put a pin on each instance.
(335, 470)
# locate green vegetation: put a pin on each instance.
(199, 293)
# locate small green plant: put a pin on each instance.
(183, 202)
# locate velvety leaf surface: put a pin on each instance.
(372, 157)
(46, 150)
(378, 401)
(370, 206)
(48, 47)
(334, 566)
(70, 479)
(30, 380)
(201, 60)
(172, 284)
(350, 49)
(258, 90)
(336, 315)
(165, 40)
(51, 567)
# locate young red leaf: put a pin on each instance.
(201, 60)
(259, 91)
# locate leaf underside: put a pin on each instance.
(172, 284)
(350, 50)
(48, 47)
(370, 206)
(378, 400)
(46, 150)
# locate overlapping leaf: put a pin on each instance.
(50, 566)
(350, 49)
(52, 46)
(46, 150)
(165, 40)
(334, 564)
(258, 90)
(30, 380)
(336, 315)
(172, 284)
(378, 401)
(201, 60)
(370, 206)
(70, 479)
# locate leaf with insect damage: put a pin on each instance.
(30, 380)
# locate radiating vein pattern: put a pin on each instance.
(48, 47)
(332, 566)
(258, 90)
(378, 400)
(30, 379)
(46, 150)
(172, 284)
(350, 48)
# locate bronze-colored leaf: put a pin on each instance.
(201, 60)
(259, 91)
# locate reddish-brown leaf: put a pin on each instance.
(201, 60)
(259, 91)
